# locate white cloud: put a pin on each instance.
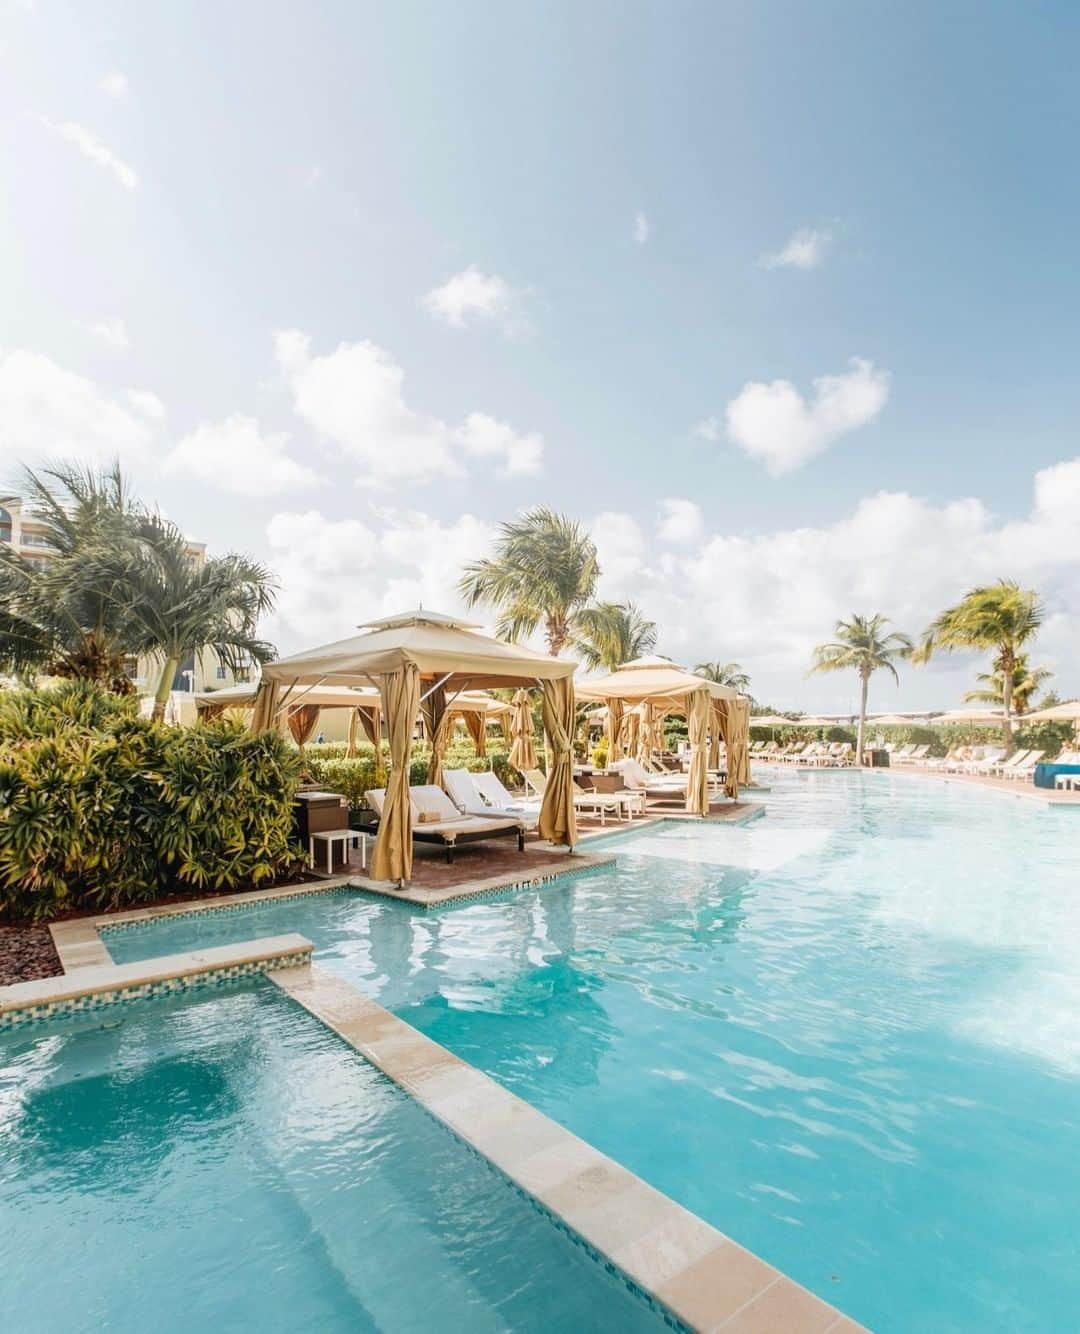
(234, 455)
(804, 250)
(47, 412)
(115, 85)
(774, 424)
(483, 437)
(314, 176)
(336, 574)
(681, 522)
(767, 600)
(709, 429)
(142, 400)
(92, 147)
(353, 397)
(641, 228)
(472, 295)
(763, 600)
(112, 333)
(620, 546)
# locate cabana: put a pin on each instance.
(301, 711)
(661, 688)
(424, 661)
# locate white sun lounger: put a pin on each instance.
(452, 828)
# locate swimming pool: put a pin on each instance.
(847, 1034)
(227, 1163)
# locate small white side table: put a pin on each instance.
(328, 837)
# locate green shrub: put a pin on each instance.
(600, 753)
(352, 778)
(100, 808)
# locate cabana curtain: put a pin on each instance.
(725, 715)
(697, 724)
(714, 737)
(522, 748)
(264, 716)
(437, 728)
(476, 726)
(393, 855)
(740, 761)
(557, 823)
(302, 721)
(615, 730)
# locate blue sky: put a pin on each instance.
(781, 299)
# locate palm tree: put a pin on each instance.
(1001, 617)
(180, 606)
(607, 634)
(1027, 681)
(863, 645)
(724, 674)
(544, 570)
(65, 615)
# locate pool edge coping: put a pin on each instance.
(684, 1267)
(96, 987)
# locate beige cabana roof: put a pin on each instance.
(654, 679)
(440, 647)
(1057, 713)
(342, 697)
(324, 697)
(772, 720)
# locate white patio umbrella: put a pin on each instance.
(970, 716)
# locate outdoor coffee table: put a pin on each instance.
(328, 837)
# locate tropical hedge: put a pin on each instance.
(100, 808)
(328, 766)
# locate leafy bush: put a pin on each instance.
(600, 753)
(352, 778)
(100, 808)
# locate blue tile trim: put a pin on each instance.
(211, 978)
(206, 909)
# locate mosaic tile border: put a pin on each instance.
(122, 984)
(207, 907)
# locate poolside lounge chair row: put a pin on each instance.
(990, 761)
(817, 754)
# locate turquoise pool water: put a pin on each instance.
(847, 1034)
(228, 1164)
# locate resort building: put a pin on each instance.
(202, 671)
(26, 535)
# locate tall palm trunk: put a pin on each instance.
(161, 698)
(557, 633)
(860, 736)
(1008, 666)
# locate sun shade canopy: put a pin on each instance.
(341, 697)
(439, 647)
(1058, 713)
(654, 679)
